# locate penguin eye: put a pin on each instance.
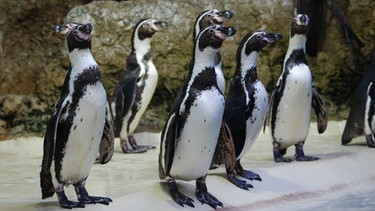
(211, 31)
(74, 32)
(209, 15)
(258, 37)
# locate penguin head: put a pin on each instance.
(300, 24)
(145, 28)
(256, 41)
(78, 36)
(210, 17)
(214, 36)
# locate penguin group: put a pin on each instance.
(205, 127)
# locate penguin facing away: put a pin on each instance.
(78, 125)
(293, 98)
(136, 88)
(370, 116)
(246, 105)
(209, 18)
(193, 125)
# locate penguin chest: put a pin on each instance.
(259, 105)
(294, 109)
(220, 77)
(198, 136)
(144, 92)
(85, 135)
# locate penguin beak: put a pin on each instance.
(270, 38)
(227, 14)
(219, 14)
(87, 29)
(224, 32)
(162, 24)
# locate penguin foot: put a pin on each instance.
(84, 197)
(306, 158)
(238, 182)
(249, 175)
(64, 202)
(281, 159)
(245, 173)
(370, 142)
(126, 149)
(177, 196)
(204, 196)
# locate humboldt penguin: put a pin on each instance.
(355, 123)
(246, 104)
(136, 88)
(190, 135)
(293, 98)
(78, 127)
(370, 115)
(208, 18)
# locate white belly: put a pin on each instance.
(85, 136)
(220, 78)
(196, 145)
(147, 94)
(255, 123)
(294, 109)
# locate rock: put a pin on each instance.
(33, 58)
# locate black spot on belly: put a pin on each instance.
(75, 126)
(81, 119)
(92, 139)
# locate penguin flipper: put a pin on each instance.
(270, 103)
(320, 110)
(167, 143)
(124, 98)
(49, 146)
(106, 147)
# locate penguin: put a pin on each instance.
(78, 125)
(208, 18)
(136, 88)
(246, 105)
(293, 98)
(193, 125)
(355, 123)
(370, 115)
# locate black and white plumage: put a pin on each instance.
(246, 105)
(355, 124)
(370, 115)
(136, 88)
(209, 18)
(190, 135)
(78, 125)
(293, 98)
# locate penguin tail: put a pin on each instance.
(46, 185)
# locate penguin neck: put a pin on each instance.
(141, 48)
(203, 59)
(297, 42)
(81, 57)
(247, 64)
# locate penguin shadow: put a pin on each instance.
(186, 188)
(46, 206)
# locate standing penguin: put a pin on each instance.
(246, 105)
(78, 124)
(190, 135)
(136, 88)
(209, 18)
(370, 115)
(356, 121)
(293, 98)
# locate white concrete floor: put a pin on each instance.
(344, 178)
